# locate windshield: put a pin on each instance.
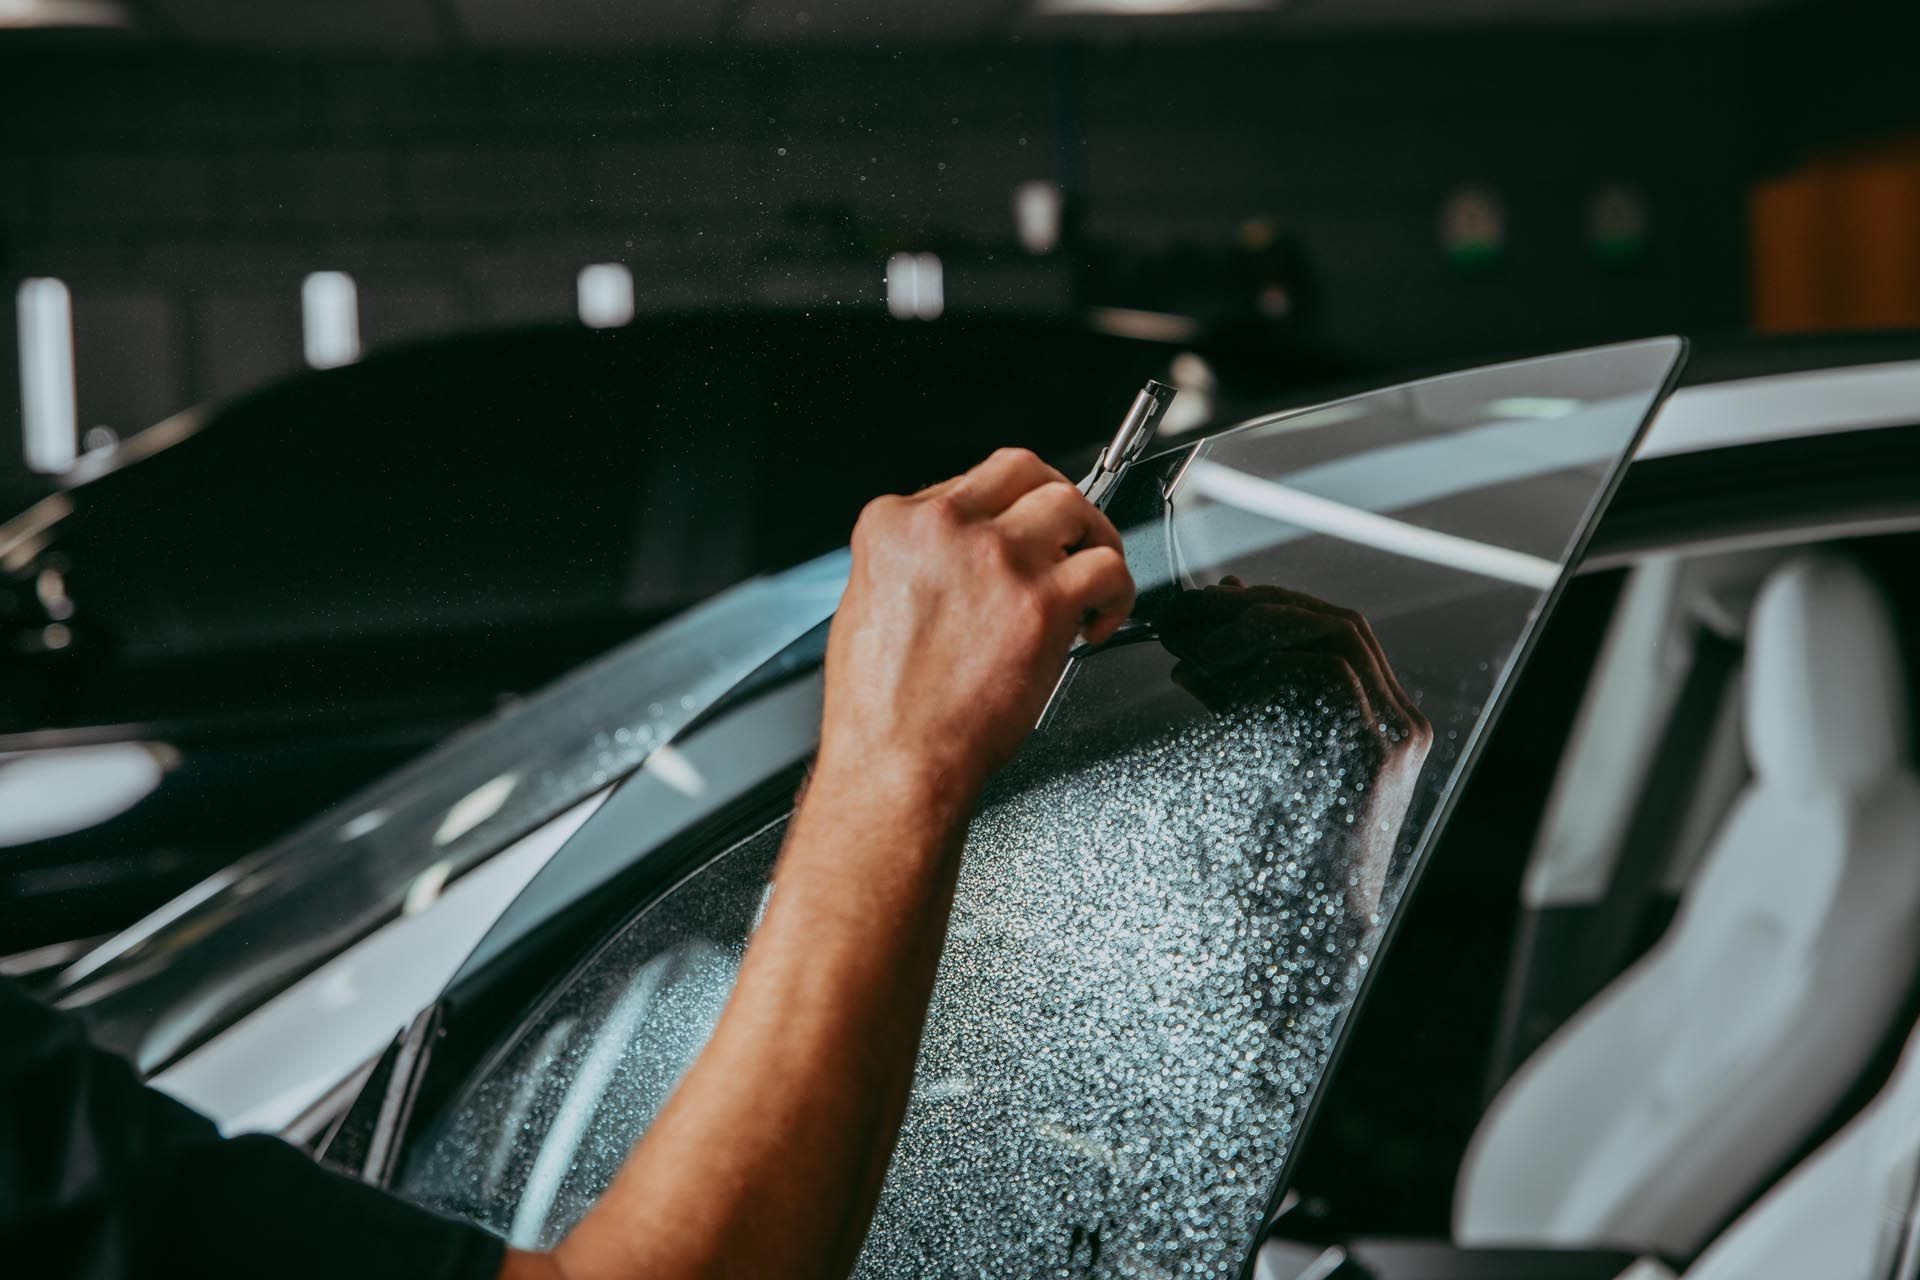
(1168, 903)
(213, 955)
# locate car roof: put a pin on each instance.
(1794, 404)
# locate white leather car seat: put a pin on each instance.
(1648, 1118)
(1842, 1213)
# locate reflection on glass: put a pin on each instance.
(1246, 647)
(1168, 901)
(163, 987)
(540, 1136)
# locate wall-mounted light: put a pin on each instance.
(49, 426)
(605, 292)
(1036, 215)
(330, 319)
(916, 286)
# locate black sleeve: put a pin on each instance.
(104, 1178)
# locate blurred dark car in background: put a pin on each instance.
(290, 595)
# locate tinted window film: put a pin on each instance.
(1168, 903)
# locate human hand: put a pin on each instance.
(961, 605)
(1238, 645)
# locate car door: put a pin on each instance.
(1169, 903)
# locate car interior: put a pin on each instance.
(1648, 1011)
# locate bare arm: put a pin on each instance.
(769, 1156)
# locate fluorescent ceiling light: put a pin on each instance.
(48, 420)
(61, 13)
(330, 316)
(1151, 8)
(916, 286)
(931, 287)
(1036, 215)
(605, 292)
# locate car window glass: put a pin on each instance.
(1168, 902)
(240, 938)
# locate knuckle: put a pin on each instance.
(1037, 609)
(1063, 491)
(1356, 622)
(883, 507)
(1013, 453)
(1108, 565)
(1027, 618)
(928, 519)
(994, 553)
(879, 512)
(938, 508)
(1348, 633)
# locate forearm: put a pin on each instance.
(960, 607)
(793, 1106)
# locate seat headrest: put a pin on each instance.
(1826, 695)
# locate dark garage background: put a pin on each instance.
(184, 169)
(463, 160)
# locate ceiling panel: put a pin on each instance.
(870, 21)
(582, 23)
(380, 24)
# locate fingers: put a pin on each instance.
(1354, 618)
(1050, 525)
(1325, 670)
(1336, 632)
(1231, 634)
(1096, 584)
(1051, 522)
(1191, 616)
(1000, 481)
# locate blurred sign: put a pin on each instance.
(1473, 227)
(1617, 224)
